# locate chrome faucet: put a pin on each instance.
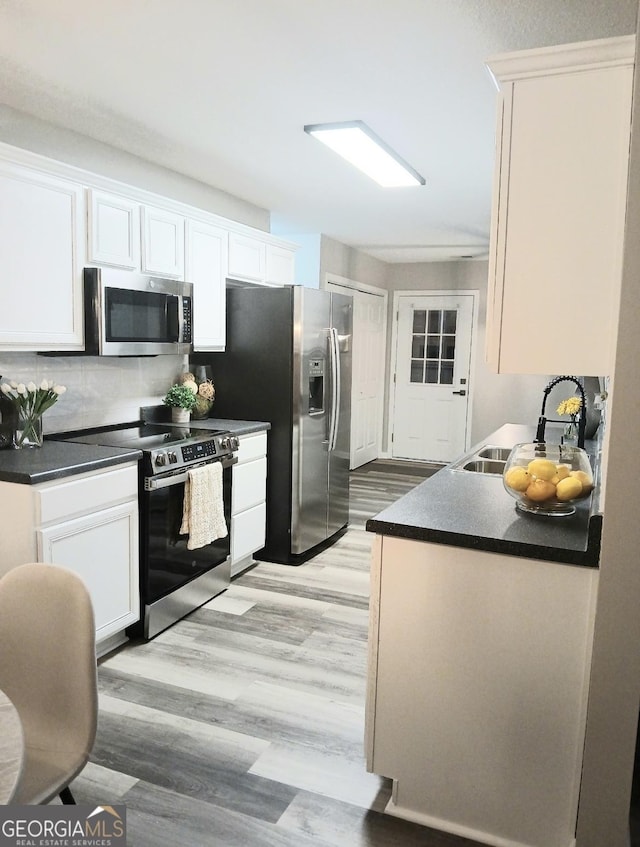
(542, 420)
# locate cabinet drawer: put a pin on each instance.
(252, 447)
(249, 485)
(60, 501)
(248, 532)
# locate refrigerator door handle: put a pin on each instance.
(334, 357)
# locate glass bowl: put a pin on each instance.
(548, 479)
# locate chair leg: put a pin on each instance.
(67, 797)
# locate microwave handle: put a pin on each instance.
(174, 317)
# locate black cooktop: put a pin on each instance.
(166, 447)
(146, 436)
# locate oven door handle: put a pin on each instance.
(153, 483)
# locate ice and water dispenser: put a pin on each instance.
(316, 386)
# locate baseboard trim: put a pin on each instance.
(454, 829)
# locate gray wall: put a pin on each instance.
(497, 398)
(337, 258)
(614, 692)
(100, 391)
(30, 133)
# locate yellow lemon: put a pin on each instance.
(562, 472)
(517, 478)
(585, 479)
(542, 468)
(569, 488)
(541, 490)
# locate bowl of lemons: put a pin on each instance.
(548, 479)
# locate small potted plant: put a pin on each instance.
(181, 397)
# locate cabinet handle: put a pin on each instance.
(461, 393)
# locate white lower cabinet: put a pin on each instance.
(477, 689)
(89, 524)
(248, 501)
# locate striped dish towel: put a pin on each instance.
(203, 508)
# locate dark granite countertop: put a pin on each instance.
(58, 459)
(473, 510)
(236, 427)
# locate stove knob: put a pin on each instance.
(172, 457)
(235, 443)
(161, 459)
(224, 442)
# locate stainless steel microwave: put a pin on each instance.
(131, 314)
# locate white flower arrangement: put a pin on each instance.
(30, 402)
(30, 398)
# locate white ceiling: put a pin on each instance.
(220, 90)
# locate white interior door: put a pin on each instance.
(433, 360)
(367, 376)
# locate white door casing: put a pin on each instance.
(430, 407)
(367, 369)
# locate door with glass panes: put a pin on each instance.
(433, 360)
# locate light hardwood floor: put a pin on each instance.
(242, 725)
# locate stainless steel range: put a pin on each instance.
(173, 579)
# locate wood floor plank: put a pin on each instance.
(242, 725)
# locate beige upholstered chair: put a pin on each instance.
(48, 670)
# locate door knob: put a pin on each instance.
(461, 393)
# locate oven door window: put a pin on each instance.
(140, 316)
(167, 564)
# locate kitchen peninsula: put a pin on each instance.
(481, 625)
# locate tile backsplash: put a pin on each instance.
(100, 390)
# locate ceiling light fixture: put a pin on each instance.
(355, 142)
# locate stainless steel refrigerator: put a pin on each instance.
(288, 361)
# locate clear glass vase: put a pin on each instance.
(570, 434)
(28, 430)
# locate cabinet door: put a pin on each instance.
(558, 228)
(206, 260)
(102, 548)
(162, 242)
(42, 256)
(280, 265)
(114, 230)
(247, 258)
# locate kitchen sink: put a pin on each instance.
(490, 466)
(487, 459)
(499, 453)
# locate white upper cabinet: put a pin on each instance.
(41, 260)
(55, 219)
(114, 230)
(206, 261)
(280, 268)
(259, 260)
(247, 258)
(162, 242)
(559, 207)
